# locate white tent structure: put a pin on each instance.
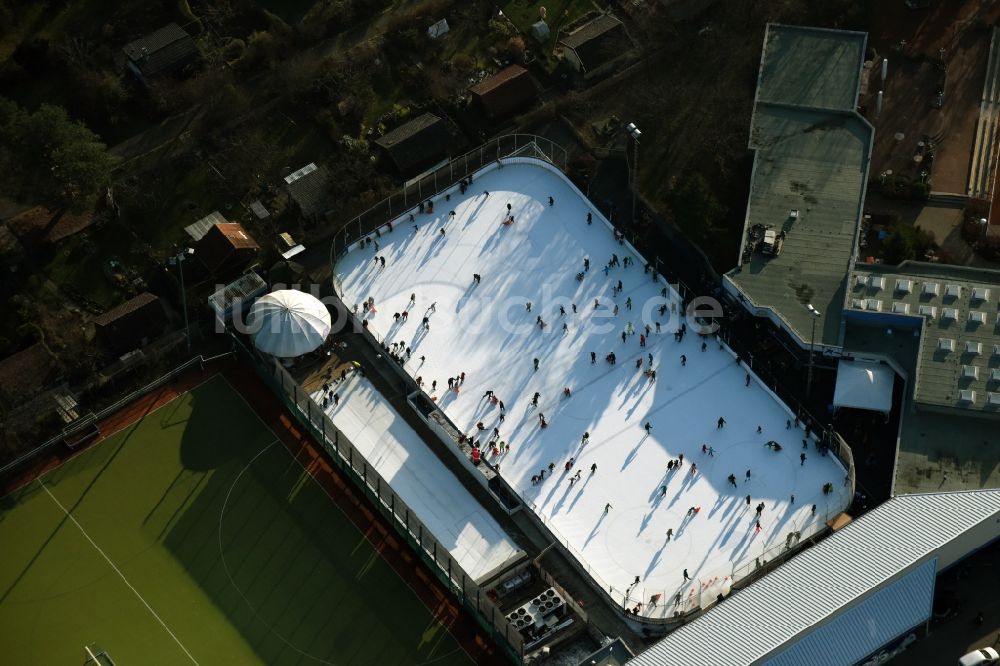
(864, 385)
(288, 323)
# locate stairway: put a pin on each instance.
(984, 148)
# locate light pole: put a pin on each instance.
(634, 132)
(812, 345)
(178, 260)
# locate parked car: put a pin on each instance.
(982, 657)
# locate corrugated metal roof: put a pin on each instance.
(823, 581)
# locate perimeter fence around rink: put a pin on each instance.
(441, 181)
(379, 492)
(653, 606)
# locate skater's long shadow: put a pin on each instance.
(579, 494)
(655, 560)
(645, 522)
(596, 529)
(433, 250)
(632, 454)
(463, 299)
(569, 489)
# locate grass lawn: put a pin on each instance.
(559, 15)
(193, 536)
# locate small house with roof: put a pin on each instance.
(594, 48)
(226, 249)
(309, 190)
(131, 325)
(416, 145)
(509, 90)
(167, 50)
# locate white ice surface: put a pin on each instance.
(485, 331)
(475, 540)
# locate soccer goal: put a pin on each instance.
(97, 655)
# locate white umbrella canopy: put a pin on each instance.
(288, 323)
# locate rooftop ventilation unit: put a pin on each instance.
(980, 294)
(946, 344)
(970, 372)
(973, 347)
(901, 308)
(903, 285)
(953, 291)
(928, 311)
(977, 317)
(967, 395)
(873, 304)
(929, 289)
(877, 282)
(993, 399)
(949, 313)
(860, 280)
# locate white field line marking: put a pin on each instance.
(118, 571)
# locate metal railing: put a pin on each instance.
(379, 492)
(396, 208)
(656, 606)
(92, 418)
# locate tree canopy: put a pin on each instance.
(47, 157)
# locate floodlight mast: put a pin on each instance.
(812, 345)
(635, 133)
(178, 260)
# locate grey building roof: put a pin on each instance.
(238, 294)
(166, 49)
(812, 156)
(812, 67)
(598, 42)
(851, 566)
(958, 310)
(309, 188)
(416, 144)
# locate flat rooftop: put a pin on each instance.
(944, 442)
(486, 331)
(812, 157)
(472, 536)
(811, 67)
(960, 346)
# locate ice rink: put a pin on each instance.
(486, 331)
(475, 540)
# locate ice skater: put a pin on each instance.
(476, 278)
(607, 507)
(593, 468)
(670, 533)
(648, 427)
(593, 358)
(552, 202)
(536, 363)
(721, 423)
(534, 399)
(748, 475)
(585, 439)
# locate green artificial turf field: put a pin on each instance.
(193, 536)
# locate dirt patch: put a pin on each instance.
(913, 40)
